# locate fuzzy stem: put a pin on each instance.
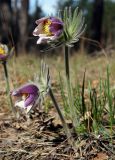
(66, 129)
(67, 62)
(8, 86)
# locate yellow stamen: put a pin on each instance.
(2, 50)
(46, 28)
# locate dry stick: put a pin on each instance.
(66, 129)
(7, 85)
(57, 147)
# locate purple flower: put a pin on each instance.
(3, 52)
(48, 29)
(29, 95)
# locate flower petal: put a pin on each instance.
(56, 20)
(28, 88)
(4, 47)
(30, 100)
(20, 104)
(41, 20)
(3, 57)
(29, 108)
(45, 39)
(38, 30)
(42, 40)
(56, 32)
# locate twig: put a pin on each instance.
(57, 147)
(105, 146)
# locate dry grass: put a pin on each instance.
(36, 139)
(25, 66)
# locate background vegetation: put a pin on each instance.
(17, 23)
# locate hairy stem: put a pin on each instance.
(8, 86)
(66, 129)
(67, 62)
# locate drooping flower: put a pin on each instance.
(33, 93)
(48, 29)
(28, 95)
(4, 52)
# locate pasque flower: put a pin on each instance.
(28, 95)
(3, 52)
(48, 29)
(65, 29)
(33, 93)
(4, 55)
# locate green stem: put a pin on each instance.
(67, 62)
(8, 86)
(66, 129)
(109, 100)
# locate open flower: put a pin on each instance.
(65, 29)
(5, 53)
(48, 29)
(29, 95)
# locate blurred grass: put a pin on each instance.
(26, 65)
